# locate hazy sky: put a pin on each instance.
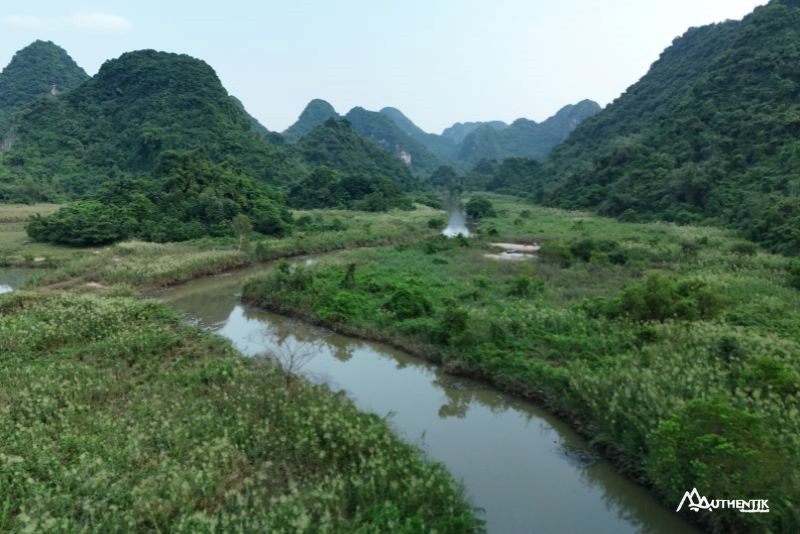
(439, 61)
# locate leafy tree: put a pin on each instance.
(84, 223)
(480, 207)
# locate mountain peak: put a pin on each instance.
(39, 69)
(315, 113)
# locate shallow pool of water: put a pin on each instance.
(12, 278)
(526, 468)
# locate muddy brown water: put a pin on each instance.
(523, 466)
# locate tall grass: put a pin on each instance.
(115, 418)
(676, 348)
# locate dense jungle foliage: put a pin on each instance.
(315, 113)
(187, 197)
(337, 145)
(711, 134)
(119, 122)
(327, 188)
(33, 73)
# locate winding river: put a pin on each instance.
(527, 469)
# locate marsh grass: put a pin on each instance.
(115, 417)
(726, 335)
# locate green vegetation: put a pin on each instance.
(381, 130)
(677, 355)
(326, 188)
(335, 144)
(121, 121)
(524, 138)
(33, 73)
(438, 145)
(709, 135)
(134, 265)
(480, 207)
(315, 113)
(188, 197)
(116, 417)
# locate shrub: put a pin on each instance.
(436, 223)
(408, 303)
(794, 274)
(744, 248)
(659, 298)
(556, 252)
(84, 223)
(480, 208)
(526, 286)
(723, 451)
(599, 251)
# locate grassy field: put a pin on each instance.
(131, 267)
(116, 417)
(676, 348)
(17, 249)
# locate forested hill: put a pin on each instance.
(458, 131)
(710, 134)
(524, 138)
(33, 72)
(337, 145)
(381, 130)
(120, 121)
(315, 113)
(443, 148)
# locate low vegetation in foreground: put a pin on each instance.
(675, 347)
(115, 417)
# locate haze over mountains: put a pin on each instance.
(461, 145)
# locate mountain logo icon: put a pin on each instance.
(696, 502)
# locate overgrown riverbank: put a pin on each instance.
(116, 416)
(676, 348)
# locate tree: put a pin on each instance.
(480, 207)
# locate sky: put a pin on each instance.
(439, 61)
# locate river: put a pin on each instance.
(526, 468)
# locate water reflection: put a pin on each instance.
(526, 468)
(11, 279)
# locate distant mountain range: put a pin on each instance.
(67, 136)
(461, 145)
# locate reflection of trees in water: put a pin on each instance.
(461, 394)
(631, 502)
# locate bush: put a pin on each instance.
(84, 223)
(480, 208)
(436, 223)
(408, 303)
(744, 248)
(794, 274)
(724, 452)
(590, 250)
(660, 299)
(526, 286)
(556, 252)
